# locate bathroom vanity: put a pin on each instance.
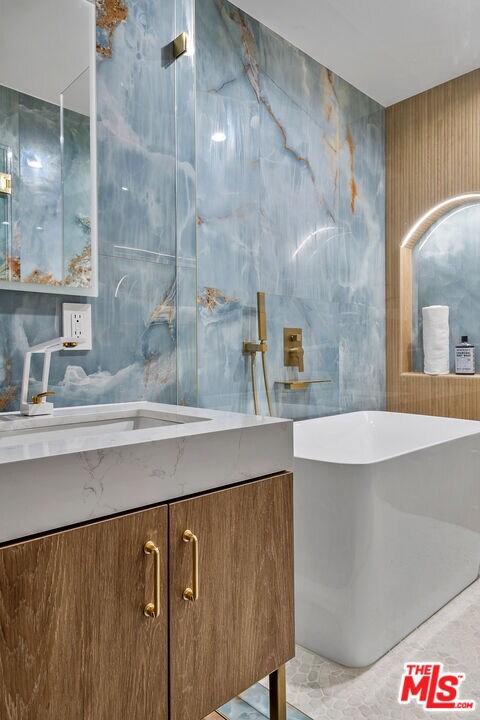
(146, 565)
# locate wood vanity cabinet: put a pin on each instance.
(75, 642)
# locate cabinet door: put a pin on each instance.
(74, 640)
(241, 627)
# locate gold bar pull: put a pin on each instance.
(152, 610)
(192, 593)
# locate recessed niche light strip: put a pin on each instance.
(418, 228)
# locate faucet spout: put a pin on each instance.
(39, 405)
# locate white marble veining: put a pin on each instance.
(50, 483)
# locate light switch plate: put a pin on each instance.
(77, 323)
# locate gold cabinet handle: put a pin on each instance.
(192, 593)
(152, 610)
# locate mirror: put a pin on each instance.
(47, 146)
(445, 271)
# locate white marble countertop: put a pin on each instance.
(49, 481)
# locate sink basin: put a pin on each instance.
(17, 430)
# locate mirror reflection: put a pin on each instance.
(46, 135)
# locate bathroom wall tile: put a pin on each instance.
(227, 191)
(305, 152)
(76, 193)
(224, 322)
(186, 309)
(134, 338)
(361, 357)
(319, 321)
(186, 219)
(135, 316)
(185, 134)
(39, 190)
(136, 132)
(223, 372)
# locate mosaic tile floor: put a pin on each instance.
(323, 690)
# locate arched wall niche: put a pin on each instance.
(408, 244)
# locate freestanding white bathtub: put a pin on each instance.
(387, 527)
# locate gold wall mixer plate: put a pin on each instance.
(293, 351)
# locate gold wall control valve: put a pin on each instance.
(293, 351)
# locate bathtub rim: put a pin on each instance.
(377, 460)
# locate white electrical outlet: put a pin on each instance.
(77, 323)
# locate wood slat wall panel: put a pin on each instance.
(432, 154)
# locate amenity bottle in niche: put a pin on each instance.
(465, 357)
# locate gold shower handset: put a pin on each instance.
(250, 348)
(261, 316)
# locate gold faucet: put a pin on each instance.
(37, 399)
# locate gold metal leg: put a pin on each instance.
(278, 694)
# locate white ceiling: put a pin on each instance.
(45, 45)
(389, 49)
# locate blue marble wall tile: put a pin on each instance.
(38, 217)
(186, 247)
(135, 316)
(291, 203)
(136, 132)
(446, 268)
(134, 332)
(76, 199)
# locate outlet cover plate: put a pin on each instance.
(77, 323)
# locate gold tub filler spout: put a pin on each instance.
(299, 384)
(251, 348)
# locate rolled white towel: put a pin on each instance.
(436, 339)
